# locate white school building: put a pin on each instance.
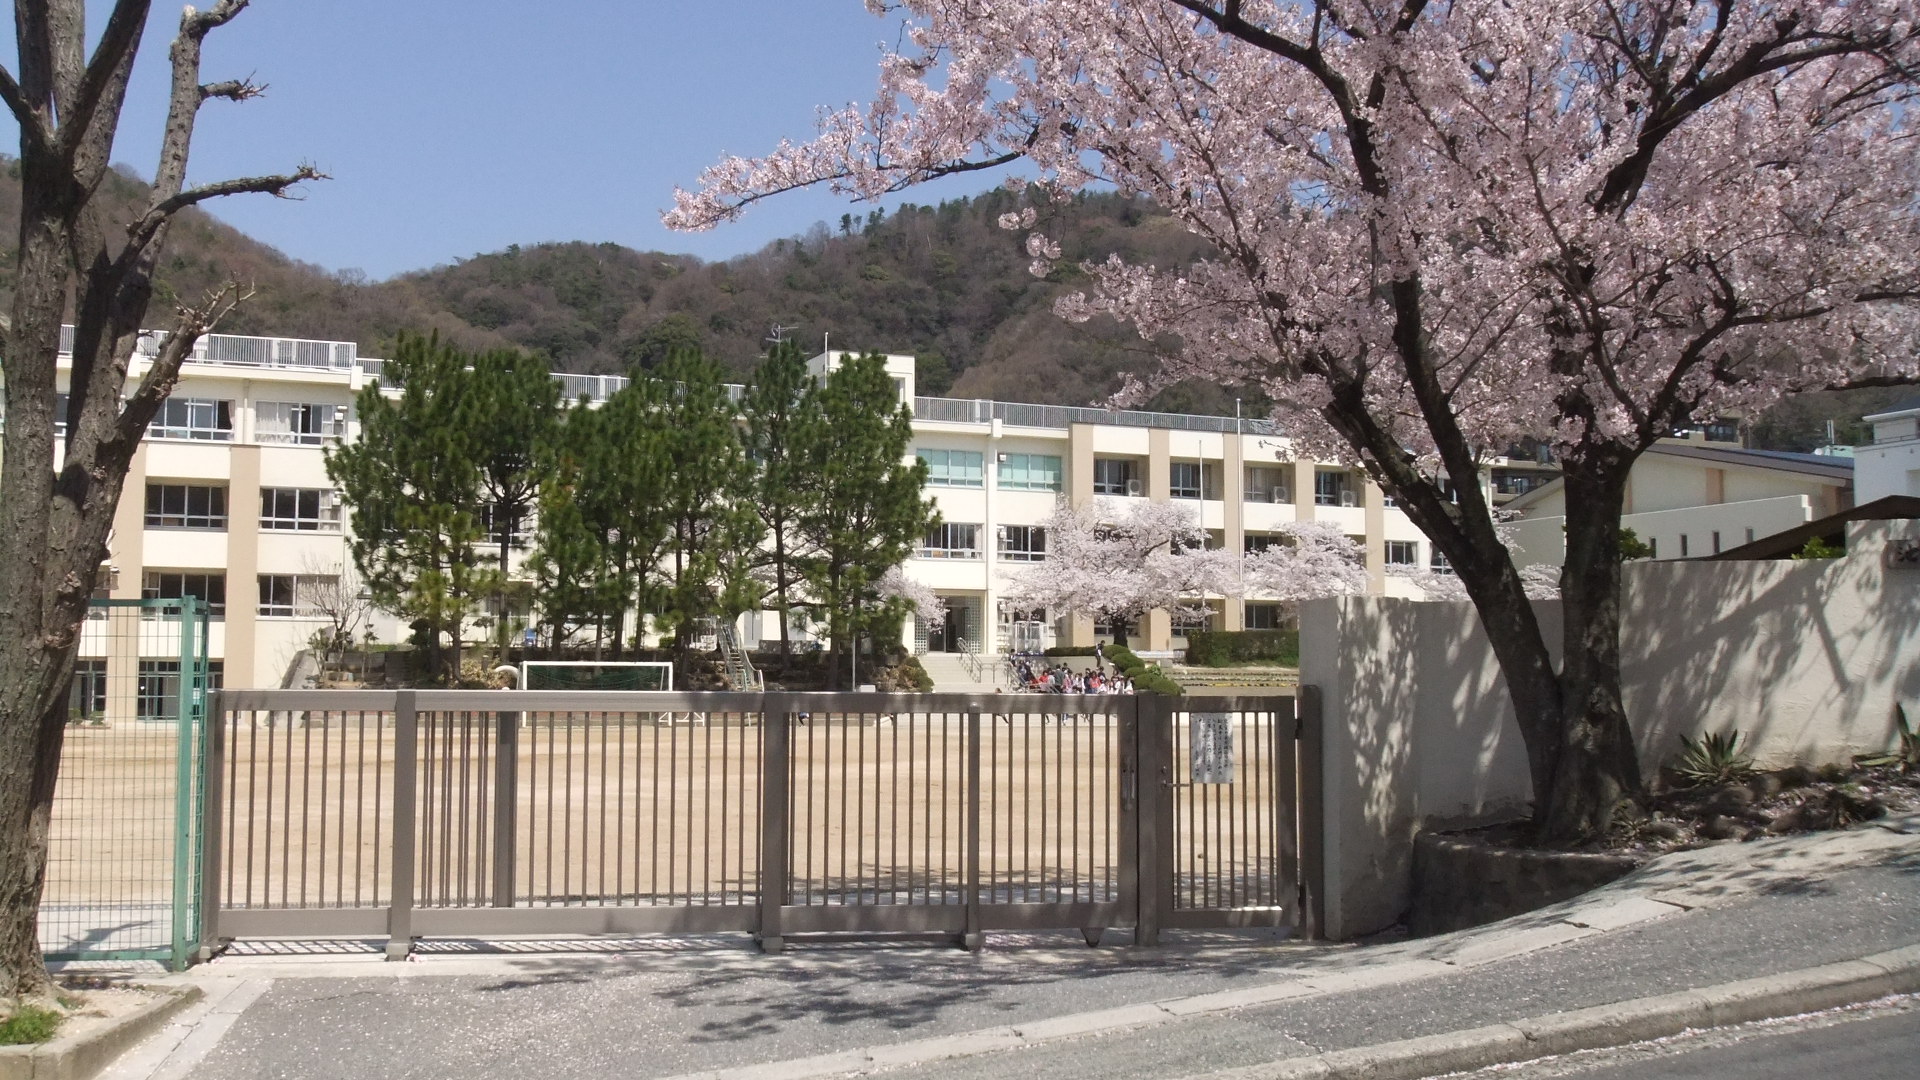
(228, 499)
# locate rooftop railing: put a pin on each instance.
(238, 350)
(1018, 414)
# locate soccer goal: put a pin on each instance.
(595, 675)
(605, 675)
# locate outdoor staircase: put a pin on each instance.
(954, 673)
(734, 665)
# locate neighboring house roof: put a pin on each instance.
(1832, 529)
(1835, 470)
(1824, 466)
(1911, 404)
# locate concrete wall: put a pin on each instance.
(1543, 539)
(1806, 658)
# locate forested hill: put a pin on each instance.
(944, 283)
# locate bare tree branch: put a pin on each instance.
(104, 84)
(32, 124)
(233, 89)
(160, 378)
(143, 231)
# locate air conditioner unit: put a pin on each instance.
(1133, 487)
(329, 500)
(1346, 498)
(1001, 458)
(1282, 495)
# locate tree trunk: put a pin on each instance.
(36, 660)
(780, 586)
(27, 774)
(1599, 764)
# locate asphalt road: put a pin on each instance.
(1878, 1044)
(661, 1015)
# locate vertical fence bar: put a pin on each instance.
(506, 804)
(1310, 819)
(406, 765)
(776, 832)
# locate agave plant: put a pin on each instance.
(1908, 755)
(1714, 758)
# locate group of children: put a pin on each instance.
(1032, 678)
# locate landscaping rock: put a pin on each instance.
(1723, 827)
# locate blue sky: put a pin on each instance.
(453, 127)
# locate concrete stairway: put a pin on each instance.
(950, 675)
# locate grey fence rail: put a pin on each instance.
(409, 814)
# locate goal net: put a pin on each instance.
(595, 675)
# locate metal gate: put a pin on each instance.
(475, 813)
(125, 844)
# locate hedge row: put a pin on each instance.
(1218, 648)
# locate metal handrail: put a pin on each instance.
(970, 658)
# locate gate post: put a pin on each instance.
(506, 794)
(1154, 730)
(973, 938)
(406, 768)
(1312, 817)
(189, 708)
(212, 825)
(776, 833)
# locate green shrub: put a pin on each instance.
(1714, 759)
(29, 1024)
(1219, 648)
(909, 670)
(1070, 650)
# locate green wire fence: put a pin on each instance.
(124, 853)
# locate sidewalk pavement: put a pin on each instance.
(1035, 1006)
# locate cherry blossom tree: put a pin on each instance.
(1118, 559)
(1317, 560)
(895, 585)
(1440, 228)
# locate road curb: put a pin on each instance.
(1807, 990)
(76, 1057)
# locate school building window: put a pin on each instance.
(299, 510)
(186, 506)
(210, 589)
(1023, 543)
(193, 418)
(949, 540)
(954, 468)
(1030, 472)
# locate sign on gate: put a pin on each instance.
(1210, 748)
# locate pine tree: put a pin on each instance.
(705, 496)
(870, 511)
(510, 408)
(570, 553)
(784, 428)
(412, 480)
